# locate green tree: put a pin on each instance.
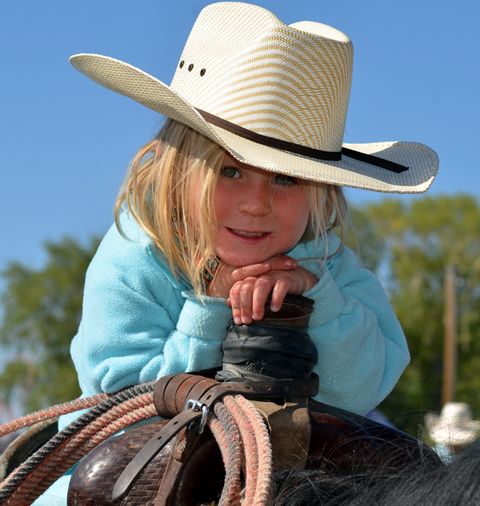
(420, 238)
(40, 314)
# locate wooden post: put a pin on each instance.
(450, 339)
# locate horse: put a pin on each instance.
(422, 483)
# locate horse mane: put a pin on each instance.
(419, 483)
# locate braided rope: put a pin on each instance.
(50, 413)
(134, 416)
(23, 471)
(228, 438)
(249, 444)
(237, 426)
(264, 448)
(61, 459)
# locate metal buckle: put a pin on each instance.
(195, 405)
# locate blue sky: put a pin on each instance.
(65, 142)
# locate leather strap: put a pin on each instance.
(210, 392)
(146, 454)
(290, 432)
(300, 149)
(186, 442)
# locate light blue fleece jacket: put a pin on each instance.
(140, 323)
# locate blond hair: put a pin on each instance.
(158, 192)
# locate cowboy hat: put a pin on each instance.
(274, 96)
(454, 426)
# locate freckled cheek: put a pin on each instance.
(224, 204)
(292, 216)
(297, 229)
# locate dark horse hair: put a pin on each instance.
(456, 483)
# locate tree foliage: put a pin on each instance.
(41, 311)
(420, 239)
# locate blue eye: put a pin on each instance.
(229, 172)
(284, 180)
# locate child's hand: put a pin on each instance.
(226, 275)
(251, 290)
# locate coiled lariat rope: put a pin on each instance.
(59, 443)
(257, 449)
(227, 435)
(236, 425)
(50, 413)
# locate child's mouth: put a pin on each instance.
(246, 234)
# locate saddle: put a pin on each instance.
(320, 436)
(221, 434)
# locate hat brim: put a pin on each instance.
(453, 435)
(422, 162)
(444, 432)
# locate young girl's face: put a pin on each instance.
(259, 214)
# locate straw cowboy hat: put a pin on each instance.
(274, 96)
(454, 426)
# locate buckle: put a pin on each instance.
(195, 405)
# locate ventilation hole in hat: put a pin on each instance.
(182, 63)
(202, 72)
(190, 67)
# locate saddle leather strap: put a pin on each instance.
(290, 431)
(146, 454)
(186, 443)
(172, 392)
(205, 392)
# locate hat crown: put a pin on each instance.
(216, 22)
(289, 82)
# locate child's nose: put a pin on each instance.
(256, 200)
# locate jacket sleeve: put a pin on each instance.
(362, 350)
(139, 323)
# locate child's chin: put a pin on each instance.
(242, 260)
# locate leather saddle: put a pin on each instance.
(333, 439)
(166, 462)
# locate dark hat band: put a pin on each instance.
(299, 149)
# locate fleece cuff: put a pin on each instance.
(205, 319)
(329, 301)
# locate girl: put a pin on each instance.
(149, 309)
(236, 199)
